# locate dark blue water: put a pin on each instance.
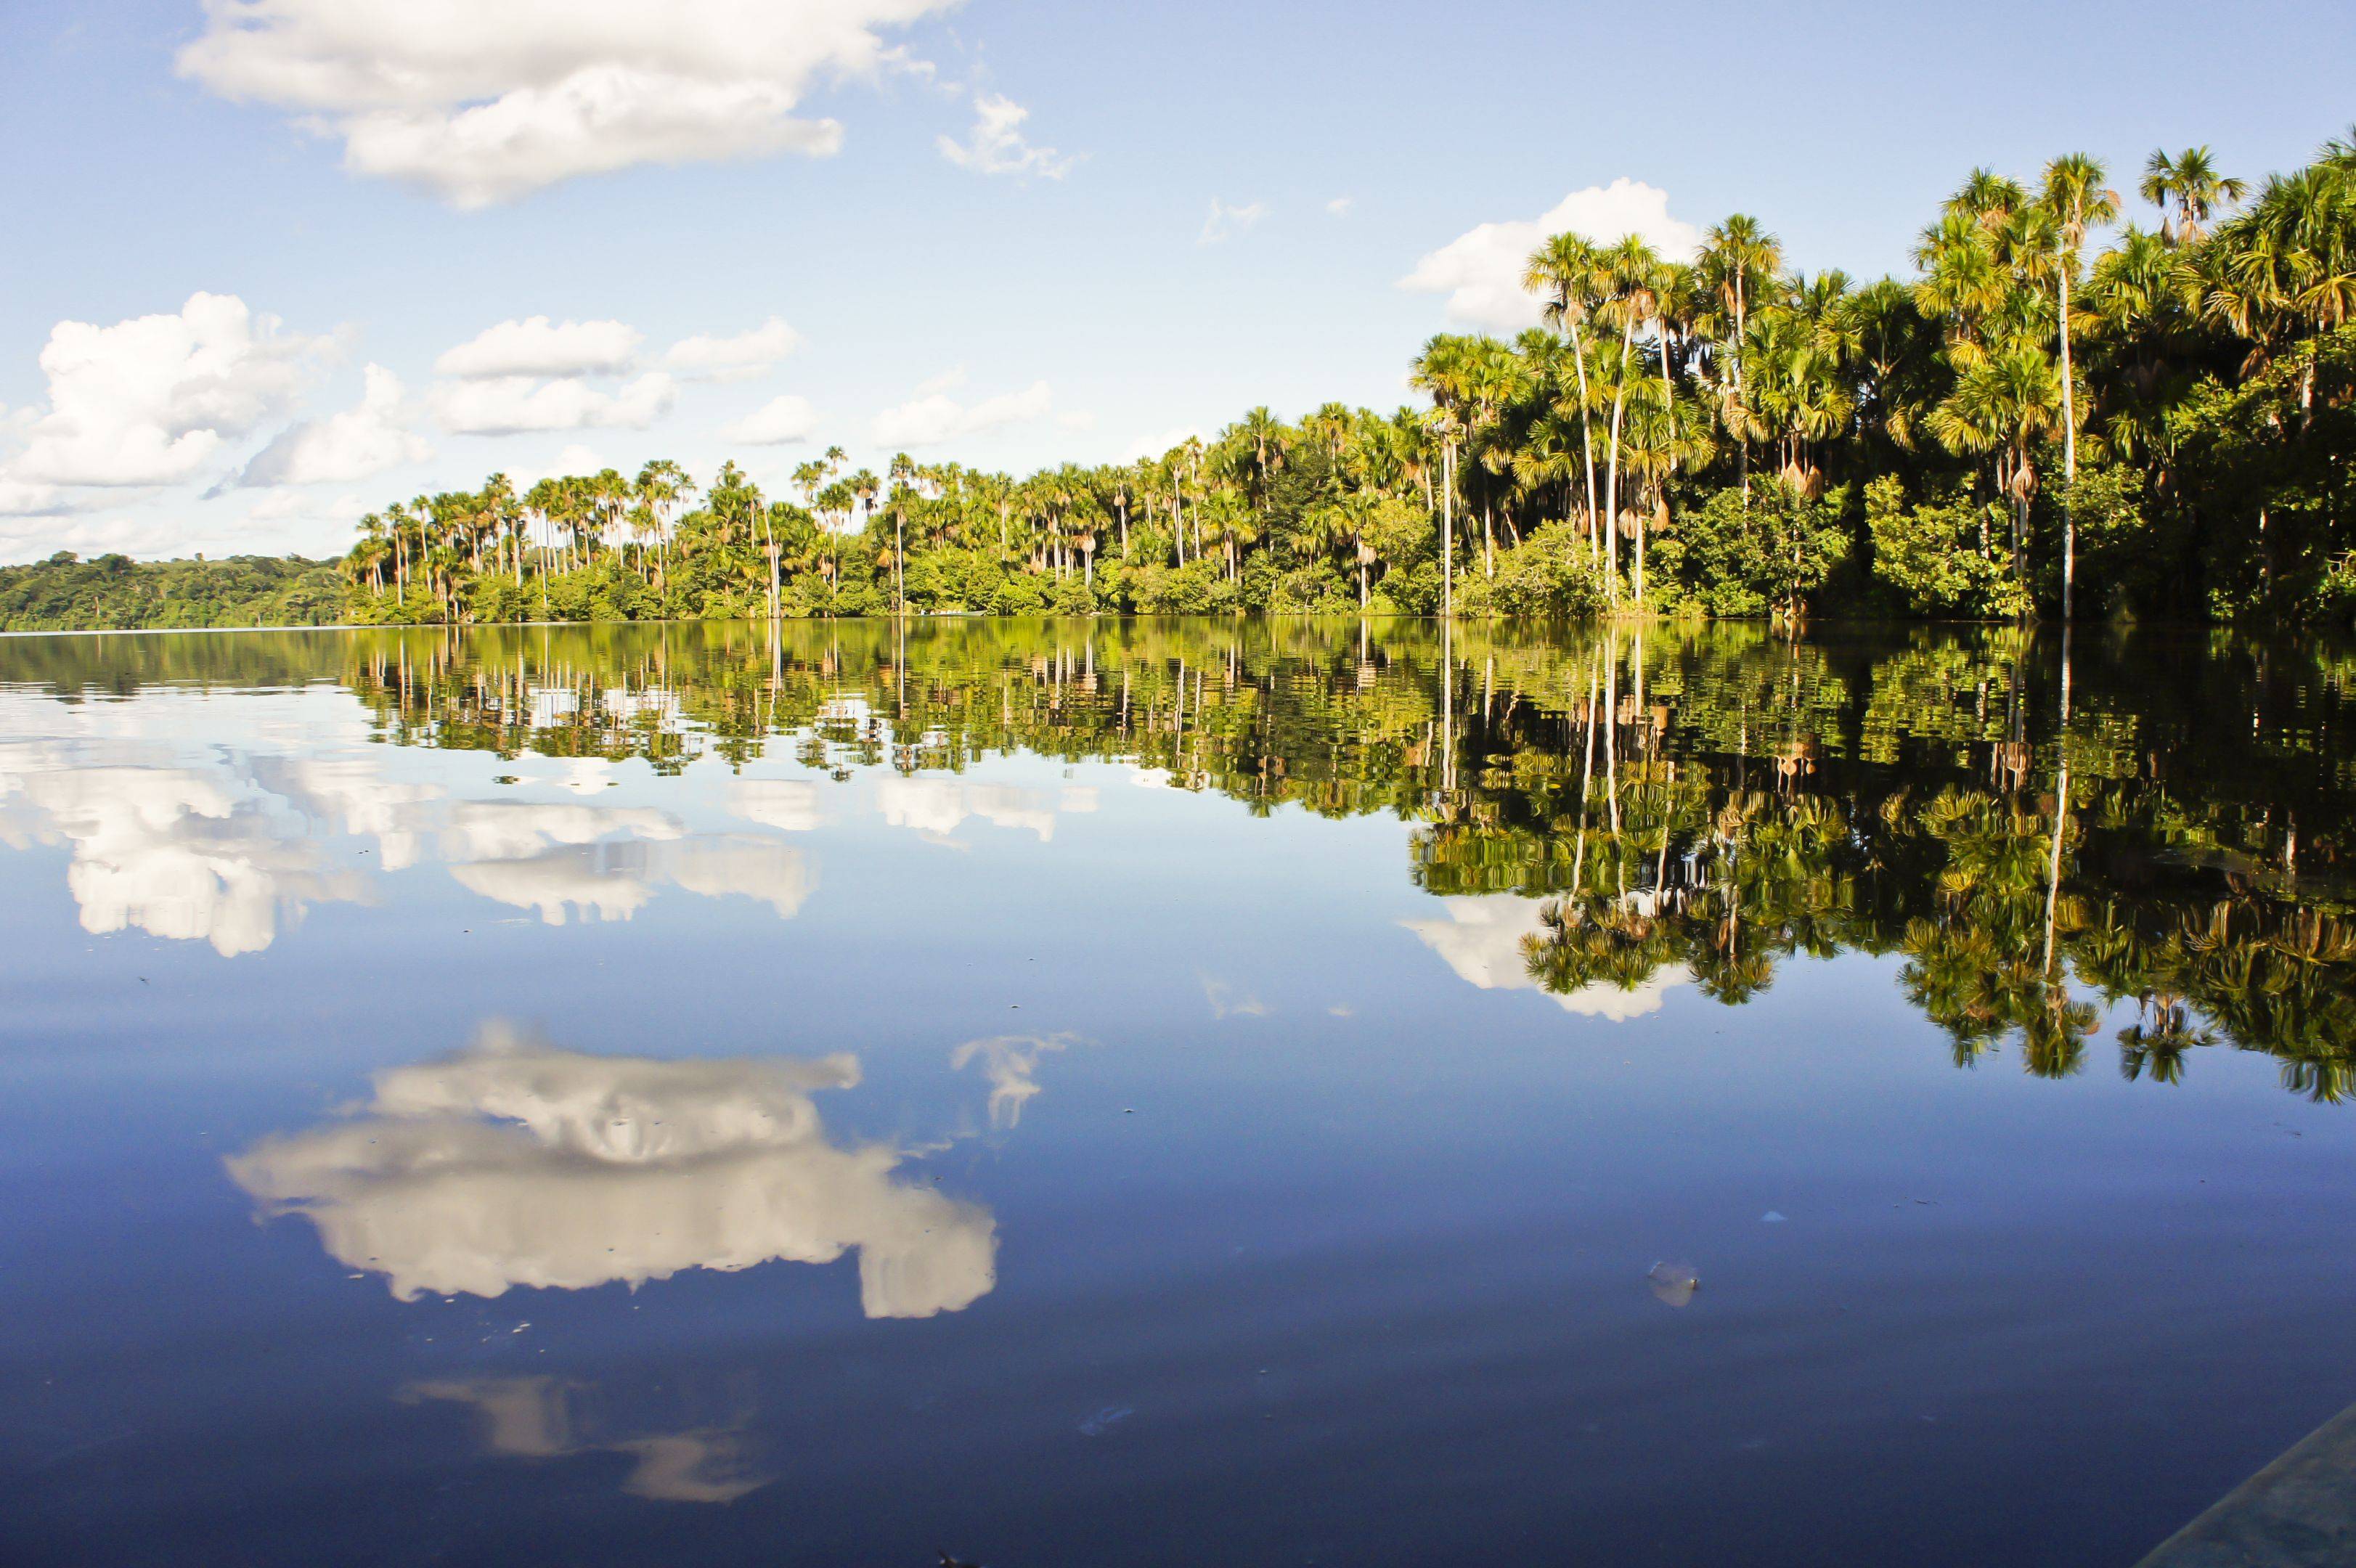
(1163, 1094)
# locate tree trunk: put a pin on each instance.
(1447, 531)
(1585, 434)
(2069, 457)
(1611, 483)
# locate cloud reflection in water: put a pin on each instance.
(1482, 940)
(515, 1163)
(556, 1418)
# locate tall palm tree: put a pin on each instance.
(1738, 264)
(1568, 272)
(662, 487)
(2076, 198)
(2005, 404)
(1443, 370)
(2190, 183)
(901, 478)
(1633, 269)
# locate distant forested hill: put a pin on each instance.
(65, 594)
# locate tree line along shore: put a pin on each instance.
(2080, 404)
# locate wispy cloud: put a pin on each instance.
(996, 145)
(1225, 222)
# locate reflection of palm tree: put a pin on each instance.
(2055, 1033)
(2155, 1045)
(1660, 832)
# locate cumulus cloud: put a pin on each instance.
(507, 405)
(774, 424)
(1483, 940)
(364, 440)
(155, 398)
(515, 1163)
(1340, 206)
(1480, 271)
(20, 499)
(483, 103)
(996, 145)
(536, 346)
(734, 358)
(1225, 222)
(1147, 447)
(930, 420)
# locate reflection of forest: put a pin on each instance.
(2153, 820)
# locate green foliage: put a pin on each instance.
(1765, 556)
(65, 594)
(2118, 563)
(1547, 576)
(1947, 558)
(2209, 418)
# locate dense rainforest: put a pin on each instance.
(66, 593)
(2063, 413)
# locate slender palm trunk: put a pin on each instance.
(1612, 483)
(1447, 530)
(2069, 458)
(1740, 317)
(1586, 433)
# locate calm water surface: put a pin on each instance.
(1165, 1093)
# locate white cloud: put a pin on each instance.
(1340, 206)
(774, 424)
(930, 420)
(1225, 221)
(482, 103)
(20, 499)
(537, 347)
(575, 458)
(155, 398)
(513, 403)
(949, 381)
(1150, 448)
(287, 504)
(1483, 940)
(1480, 271)
(515, 1163)
(363, 439)
(1078, 418)
(996, 145)
(734, 358)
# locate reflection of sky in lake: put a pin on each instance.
(831, 1197)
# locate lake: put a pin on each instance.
(1190, 1092)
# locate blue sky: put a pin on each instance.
(1064, 293)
